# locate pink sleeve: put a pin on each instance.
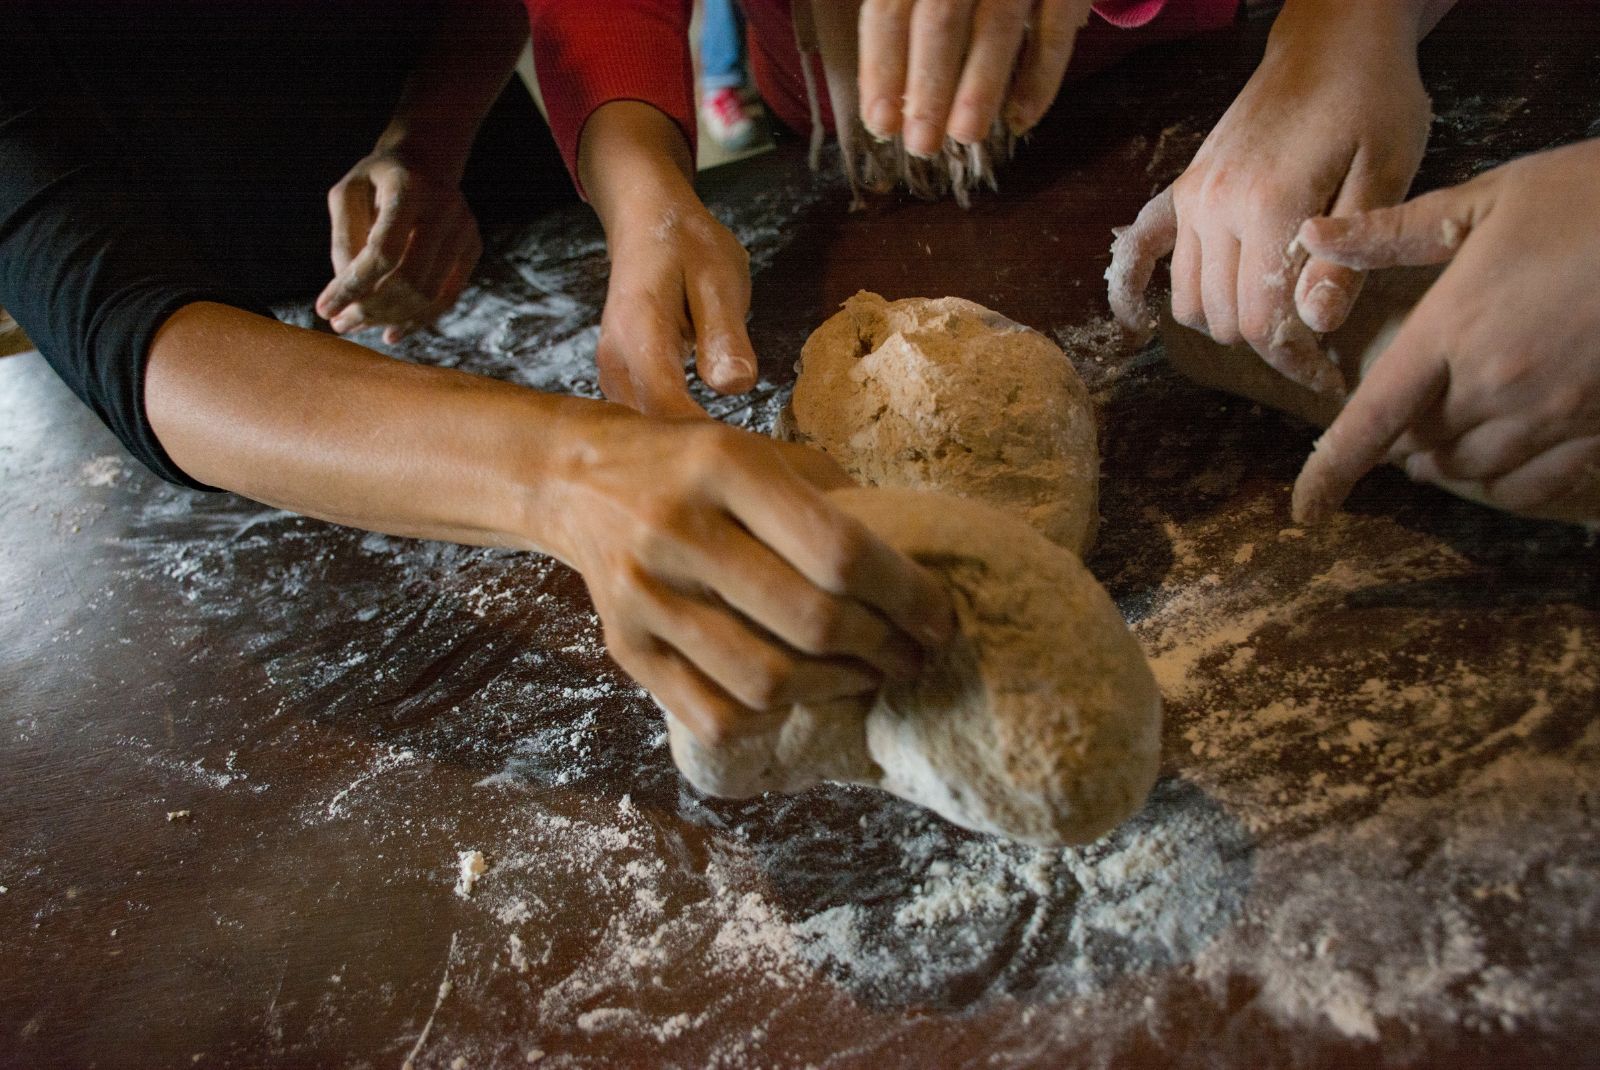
(1200, 14)
(590, 52)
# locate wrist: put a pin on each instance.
(1341, 30)
(435, 148)
(550, 470)
(633, 162)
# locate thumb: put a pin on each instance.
(1427, 230)
(1133, 260)
(717, 307)
(814, 466)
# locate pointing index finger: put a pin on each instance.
(1405, 381)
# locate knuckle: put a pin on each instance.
(1566, 403)
(769, 686)
(845, 557)
(657, 538)
(1255, 327)
(709, 452)
(941, 15)
(980, 102)
(1186, 308)
(1507, 374)
(819, 624)
(922, 108)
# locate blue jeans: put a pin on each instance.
(721, 46)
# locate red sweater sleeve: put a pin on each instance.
(589, 52)
(1132, 14)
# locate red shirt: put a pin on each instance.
(590, 52)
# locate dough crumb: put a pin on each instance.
(177, 815)
(518, 954)
(472, 866)
(1452, 232)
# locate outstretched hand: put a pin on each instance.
(1495, 375)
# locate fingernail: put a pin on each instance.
(1327, 305)
(1017, 119)
(342, 322)
(736, 370)
(966, 128)
(880, 119)
(922, 139)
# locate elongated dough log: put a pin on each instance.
(1385, 301)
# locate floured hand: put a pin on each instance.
(1495, 375)
(1334, 121)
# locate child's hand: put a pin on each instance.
(404, 246)
(932, 69)
(1495, 376)
(680, 280)
(1333, 122)
(680, 283)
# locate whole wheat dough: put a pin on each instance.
(1040, 722)
(943, 394)
(1385, 301)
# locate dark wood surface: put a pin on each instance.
(1376, 840)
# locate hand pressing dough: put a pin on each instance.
(1386, 299)
(1040, 722)
(943, 394)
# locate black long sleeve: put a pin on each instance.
(90, 264)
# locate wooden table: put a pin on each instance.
(241, 751)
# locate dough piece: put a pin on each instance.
(1040, 722)
(942, 394)
(1386, 299)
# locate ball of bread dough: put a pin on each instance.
(944, 394)
(1041, 721)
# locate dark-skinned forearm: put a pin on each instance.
(457, 81)
(320, 426)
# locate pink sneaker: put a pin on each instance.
(726, 120)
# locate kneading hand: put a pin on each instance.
(1495, 376)
(727, 583)
(931, 69)
(404, 246)
(1333, 121)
